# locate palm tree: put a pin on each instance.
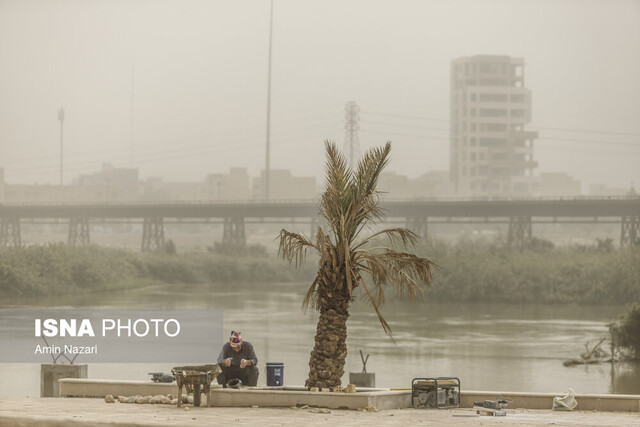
(350, 203)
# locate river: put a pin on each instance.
(501, 347)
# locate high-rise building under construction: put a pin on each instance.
(490, 152)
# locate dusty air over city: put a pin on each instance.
(402, 198)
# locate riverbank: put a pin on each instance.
(59, 269)
(60, 412)
(477, 271)
(469, 271)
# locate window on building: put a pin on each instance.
(492, 142)
(493, 97)
(493, 127)
(493, 112)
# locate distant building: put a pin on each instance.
(490, 152)
(600, 189)
(557, 184)
(156, 189)
(394, 186)
(231, 186)
(431, 184)
(47, 193)
(439, 181)
(110, 184)
(120, 184)
(284, 186)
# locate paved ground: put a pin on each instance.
(60, 412)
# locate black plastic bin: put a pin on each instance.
(275, 374)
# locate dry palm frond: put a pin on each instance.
(401, 236)
(293, 247)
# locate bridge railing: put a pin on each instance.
(313, 200)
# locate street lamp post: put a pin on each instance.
(61, 119)
(268, 165)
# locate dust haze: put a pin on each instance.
(178, 90)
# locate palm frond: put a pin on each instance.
(399, 269)
(293, 247)
(398, 235)
(376, 308)
(338, 175)
(309, 296)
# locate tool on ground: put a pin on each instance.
(161, 377)
(493, 404)
(440, 392)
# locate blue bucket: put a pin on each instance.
(275, 374)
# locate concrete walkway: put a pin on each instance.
(61, 412)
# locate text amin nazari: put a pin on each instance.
(68, 349)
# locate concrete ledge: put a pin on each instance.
(76, 387)
(586, 402)
(291, 396)
(365, 397)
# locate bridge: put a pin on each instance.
(519, 214)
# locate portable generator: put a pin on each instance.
(441, 392)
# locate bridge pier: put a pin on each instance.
(10, 233)
(78, 231)
(630, 233)
(519, 234)
(153, 234)
(233, 232)
(419, 225)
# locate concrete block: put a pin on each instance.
(72, 387)
(362, 379)
(50, 373)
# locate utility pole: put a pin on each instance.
(351, 128)
(267, 171)
(133, 110)
(61, 119)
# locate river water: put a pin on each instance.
(499, 347)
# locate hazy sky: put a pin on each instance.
(178, 88)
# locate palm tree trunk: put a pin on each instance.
(326, 365)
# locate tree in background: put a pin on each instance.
(349, 204)
(625, 333)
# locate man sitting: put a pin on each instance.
(238, 361)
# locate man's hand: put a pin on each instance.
(227, 361)
(244, 363)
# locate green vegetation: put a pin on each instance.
(61, 269)
(625, 333)
(492, 272)
(469, 271)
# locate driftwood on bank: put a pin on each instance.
(591, 356)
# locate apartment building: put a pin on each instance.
(490, 151)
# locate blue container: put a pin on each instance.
(275, 374)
